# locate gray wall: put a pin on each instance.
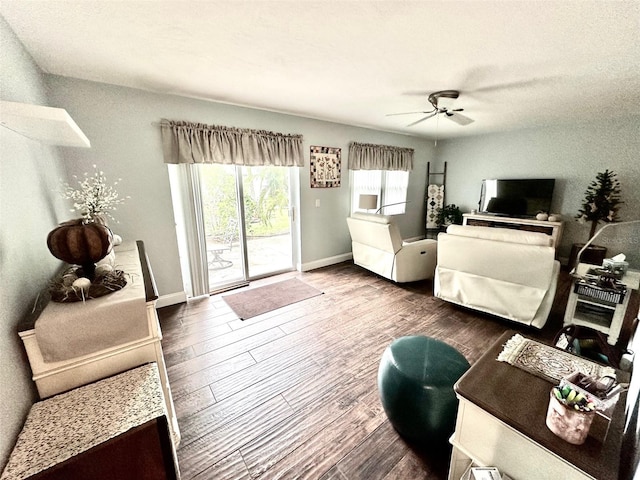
(125, 144)
(29, 208)
(572, 154)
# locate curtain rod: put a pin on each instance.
(206, 128)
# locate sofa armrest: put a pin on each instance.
(425, 243)
(415, 261)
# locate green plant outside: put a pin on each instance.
(266, 201)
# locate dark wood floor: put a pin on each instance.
(292, 393)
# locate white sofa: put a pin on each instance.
(378, 246)
(509, 273)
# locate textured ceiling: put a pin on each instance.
(516, 64)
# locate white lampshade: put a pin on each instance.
(368, 202)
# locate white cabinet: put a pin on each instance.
(501, 423)
(53, 377)
(597, 310)
(485, 440)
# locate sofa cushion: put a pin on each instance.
(501, 234)
(529, 265)
(376, 231)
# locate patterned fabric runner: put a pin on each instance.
(435, 199)
(548, 362)
(68, 424)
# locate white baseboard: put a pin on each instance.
(171, 299)
(325, 262)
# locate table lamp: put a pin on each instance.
(367, 202)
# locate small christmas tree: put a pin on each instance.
(601, 201)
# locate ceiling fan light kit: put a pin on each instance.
(443, 99)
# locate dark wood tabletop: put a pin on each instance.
(520, 399)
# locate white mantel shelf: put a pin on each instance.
(49, 125)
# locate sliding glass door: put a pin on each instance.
(246, 219)
(221, 215)
(267, 220)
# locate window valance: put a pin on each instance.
(185, 142)
(366, 156)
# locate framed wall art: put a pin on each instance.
(325, 167)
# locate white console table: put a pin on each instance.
(501, 423)
(553, 229)
(92, 363)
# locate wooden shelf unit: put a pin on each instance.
(49, 125)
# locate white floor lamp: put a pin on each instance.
(616, 224)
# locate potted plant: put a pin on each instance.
(600, 204)
(447, 215)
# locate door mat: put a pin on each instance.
(256, 301)
(548, 362)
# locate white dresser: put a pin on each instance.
(88, 330)
(501, 423)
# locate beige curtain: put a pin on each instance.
(366, 156)
(185, 142)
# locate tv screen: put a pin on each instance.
(517, 197)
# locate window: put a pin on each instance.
(390, 186)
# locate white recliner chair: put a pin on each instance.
(378, 246)
(508, 273)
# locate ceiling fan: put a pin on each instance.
(441, 102)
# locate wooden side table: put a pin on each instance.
(114, 428)
(601, 314)
(501, 423)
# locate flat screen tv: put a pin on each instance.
(516, 197)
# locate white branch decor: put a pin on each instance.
(94, 200)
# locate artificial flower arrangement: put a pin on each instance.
(85, 241)
(95, 199)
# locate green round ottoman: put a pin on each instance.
(415, 380)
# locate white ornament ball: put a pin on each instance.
(82, 283)
(555, 217)
(103, 269)
(542, 216)
(117, 239)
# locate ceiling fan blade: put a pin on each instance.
(422, 119)
(511, 85)
(460, 119)
(405, 113)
